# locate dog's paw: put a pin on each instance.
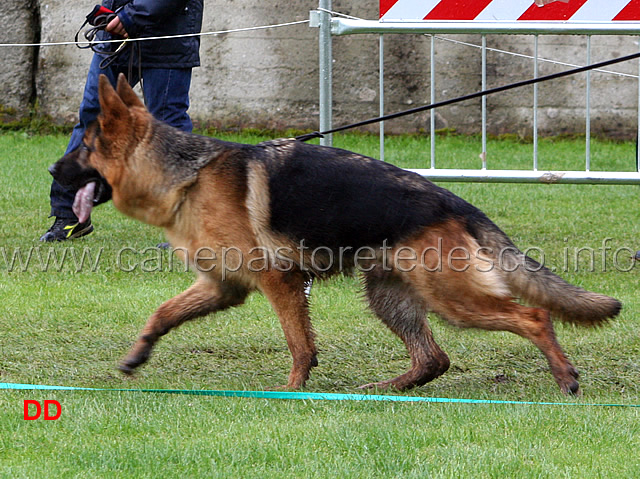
(571, 388)
(125, 368)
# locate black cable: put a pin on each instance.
(471, 96)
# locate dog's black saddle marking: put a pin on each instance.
(334, 198)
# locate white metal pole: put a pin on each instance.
(326, 71)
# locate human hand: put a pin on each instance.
(115, 27)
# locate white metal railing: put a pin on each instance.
(330, 25)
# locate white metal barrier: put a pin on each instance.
(330, 25)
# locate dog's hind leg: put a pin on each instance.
(397, 305)
(202, 298)
(502, 314)
(286, 293)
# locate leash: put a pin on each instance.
(304, 396)
(99, 18)
(471, 96)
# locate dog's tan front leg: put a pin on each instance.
(200, 299)
(286, 293)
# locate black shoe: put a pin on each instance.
(66, 229)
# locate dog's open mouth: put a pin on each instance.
(83, 202)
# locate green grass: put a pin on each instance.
(69, 325)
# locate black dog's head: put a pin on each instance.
(74, 173)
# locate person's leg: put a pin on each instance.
(166, 92)
(167, 95)
(62, 199)
(66, 224)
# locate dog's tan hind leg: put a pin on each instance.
(534, 324)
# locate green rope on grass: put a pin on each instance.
(290, 395)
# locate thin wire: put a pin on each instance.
(264, 27)
(185, 35)
(522, 55)
(337, 14)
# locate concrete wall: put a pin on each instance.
(19, 22)
(269, 78)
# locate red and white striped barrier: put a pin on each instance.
(511, 10)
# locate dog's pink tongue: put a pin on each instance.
(83, 202)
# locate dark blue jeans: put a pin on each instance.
(166, 92)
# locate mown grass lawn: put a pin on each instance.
(68, 323)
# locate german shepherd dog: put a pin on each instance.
(272, 216)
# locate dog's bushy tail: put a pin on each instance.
(537, 285)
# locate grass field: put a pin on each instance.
(68, 323)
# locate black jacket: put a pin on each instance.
(156, 18)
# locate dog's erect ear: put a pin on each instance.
(126, 93)
(115, 114)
